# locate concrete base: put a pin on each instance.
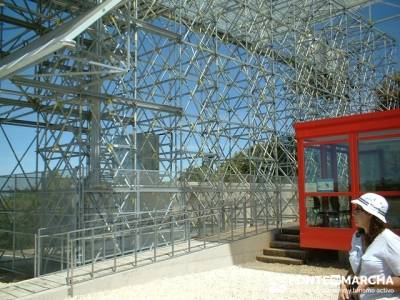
(225, 255)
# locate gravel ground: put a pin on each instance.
(252, 280)
(311, 269)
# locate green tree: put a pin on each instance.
(388, 93)
(259, 158)
(25, 210)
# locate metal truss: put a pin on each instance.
(139, 109)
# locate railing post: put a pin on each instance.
(73, 260)
(203, 220)
(123, 243)
(83, 249)
(114, 251)
(136, 245)
(212, 222)
(219, 212)
(62, 253)
(35, 258)
(155, 241)
(266, 212)
(223, 217)
(104, 246)
(39, 245)
(255, 215)
(188, 225)
(172, 236)
(245, 217)
(68, 258)
(71, 279)
(232, 208)
(185, 224)
(235, 214)
(92, 251)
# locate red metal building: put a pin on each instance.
(339, 159)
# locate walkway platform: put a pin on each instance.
(27, 288)
(36, 288)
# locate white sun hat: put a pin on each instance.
(374, 204)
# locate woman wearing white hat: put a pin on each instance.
(375, 253)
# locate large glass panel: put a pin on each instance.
(330, 139)
(333, 211)
(379, 133)
(379, 165)
(327, 168)
(393, 214)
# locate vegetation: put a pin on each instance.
(258, 159)
(388, 93)
(25, 211)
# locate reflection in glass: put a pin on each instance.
(379, 163)
(327, 168)
(393, 214)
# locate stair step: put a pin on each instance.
(279, 259)
(290, 230)
(292, 253)
(287, 237)
(284, 245)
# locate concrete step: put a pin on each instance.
(284, 245)
(287, 237)
(292, 253)
(291, 230)
(279, 259)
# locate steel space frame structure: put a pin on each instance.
(134, 109)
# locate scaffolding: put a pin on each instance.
(121, 112)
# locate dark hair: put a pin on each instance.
(376, 226)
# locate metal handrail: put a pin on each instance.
(62, 236)
(229, 212)
(132, 222)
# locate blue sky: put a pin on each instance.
(22, 136)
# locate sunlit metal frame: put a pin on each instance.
(213, 80)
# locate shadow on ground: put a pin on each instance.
(319, 263)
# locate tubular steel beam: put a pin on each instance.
(181, 106)
(21, 23)
(92, 95)
(61, 37)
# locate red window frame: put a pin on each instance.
(351, 126)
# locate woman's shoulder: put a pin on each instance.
(388, 234)
(391, 239)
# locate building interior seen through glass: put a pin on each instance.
(333, 211)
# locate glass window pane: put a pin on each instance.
(333, 211)
(379, 165)
(330, 139)
(393, 214)
(327, 168)
(378, 133)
